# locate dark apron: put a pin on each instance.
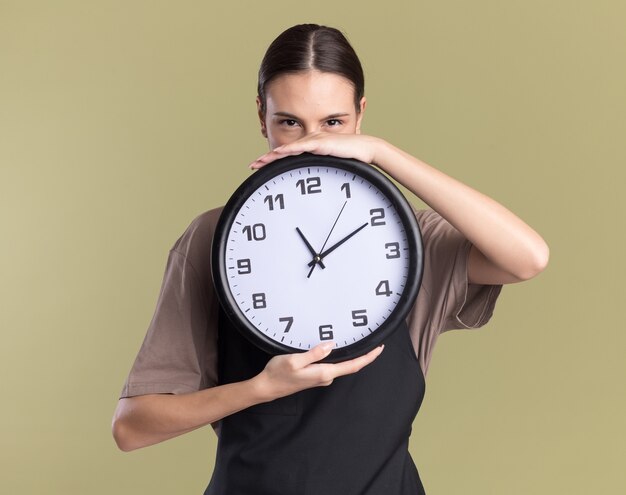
(350, 438)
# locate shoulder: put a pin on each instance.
(433, 225)
(194, 245)
(201, 228)
(198, 232)
(445, 251)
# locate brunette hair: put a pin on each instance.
(307, 47)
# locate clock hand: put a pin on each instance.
(336, 245)
(333, 227)
(316, 257)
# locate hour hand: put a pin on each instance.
(316, 256)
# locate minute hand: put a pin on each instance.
(336, 245)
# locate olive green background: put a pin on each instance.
(120, 121)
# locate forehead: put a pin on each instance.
(309, 93)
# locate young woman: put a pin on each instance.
(288, 424)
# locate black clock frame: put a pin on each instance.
(251, 185)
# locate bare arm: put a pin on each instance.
(148, 419)
(504, 248)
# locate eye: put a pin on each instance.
(288, 122)
(334, 122)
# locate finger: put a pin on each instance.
(274, 155)
(318, 352)
(264, 160)
(356, 364)
(309, 144)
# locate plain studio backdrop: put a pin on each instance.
(120, 121)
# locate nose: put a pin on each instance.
(313, 129)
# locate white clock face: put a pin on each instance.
(315, 254)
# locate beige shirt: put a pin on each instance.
(179, 352)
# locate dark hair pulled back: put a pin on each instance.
(311, 47)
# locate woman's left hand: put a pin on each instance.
(356, 146)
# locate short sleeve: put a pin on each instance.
(446, 300)
(179, 352)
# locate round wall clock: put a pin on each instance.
(316, 248)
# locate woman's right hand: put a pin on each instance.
(148, 419)
(290, 373)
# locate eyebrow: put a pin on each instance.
(294, 117)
